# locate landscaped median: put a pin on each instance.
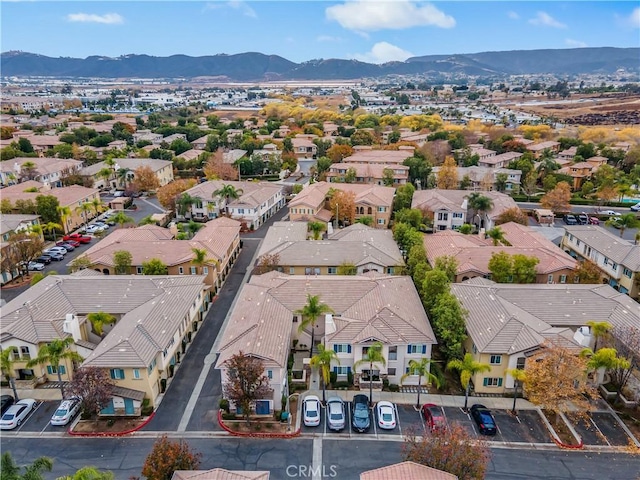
(239, 428)
(108, 427)
(563, 434)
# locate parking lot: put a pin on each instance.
(38, 420)
(601, 428)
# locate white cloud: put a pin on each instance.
(107, 18)
(513, 15)
(239, 5)
(365, 15)
(543, 19)
(383, 52)
(327, 38)
(575, 43)
(634, 18)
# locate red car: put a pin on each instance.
(73, 243)
(434, 418)
(77, 237)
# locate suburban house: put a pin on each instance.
(304, 148)
(617, 259)
(368, 249)
(538, 148)
(147, 136)
(220, 239)
(368, 308)
(200, 143)
(72, 197)
(507, 323)
(162, 168)
(499, 161)
(373, 174)
(232, 156)
(371, 201)
(486, 178)
(256, 202)
(407, 471)
(49, 171)
(10, 224)
(450, 209)
(473, 253)
(156, 318)
(221, 474)
(381, 157)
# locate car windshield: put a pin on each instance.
(61, 412)
(387, 417)
(486, 418)
(361, 411)
(8, 416)
(336, 416)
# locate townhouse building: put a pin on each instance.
(486, 178)
(256, 202)
(304, 148)
(163, 170)
(46, 170)
(155, 320)
(501, 160)
(373, 201)
(372, 174)
(11, 224)
(539, 148)
(382, 157)
(617, 259)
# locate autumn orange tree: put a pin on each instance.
(216, 169)
(145, 179)
(338, 152)
(557, 200)
(512, 215)
(168, 194)
(451, 450)
(246, 382)
(556, 380)
(447, 177)
(168, 456)
(588, 272)
(343, 206)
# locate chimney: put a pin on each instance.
(329, 324)
(72, 326)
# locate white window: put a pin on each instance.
(342, 348)
(136, 374)
(342, 370)
(381, 221)
(382, 209)
(391, 371)
(550, 279)
(495, 359)
(332, 270)
(457, 215)
(270, 374)
(393, 353)
(292, 270)
(443, 216)
(193, 270)
(205, 270)
(139, 270)
(492, 382)
(563, 279)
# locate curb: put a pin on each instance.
(114, 434)
(255, 435)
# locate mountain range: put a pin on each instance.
(252, 66)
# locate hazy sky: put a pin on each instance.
(299, 30)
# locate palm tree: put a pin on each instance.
(89, 473)
(52, 227)
(479, 203)
(519, 377)
(200, 258)
(598, 330)
(497, 235)
(628, 220)
(547, 164)
(84, 208)
(317, 228)
(606, 359)
(98, 319)
(309, 313)
(6, 367)
(124, 176)
(184, 202)
(121, 218)
(374, 355)
(11, 471)
(55, 352)
(192, 227)
(422, 368)
(105, 173)
(467, 367)
(65, 213)
(97, 206)
(323, 360)
(228, 192)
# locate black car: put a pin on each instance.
(570, 220)
(45, 259)
(360, 415)
(6, 401)
(583, 219)
(484, 419)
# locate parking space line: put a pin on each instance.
(599, 431)
(395, 408)
(348, 419)
(374, 421)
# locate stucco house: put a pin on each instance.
(48, 171)
(10, 224)
(163, 170)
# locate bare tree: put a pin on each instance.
(246, 382)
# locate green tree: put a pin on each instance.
(155, 266)
(435, 283)
(467, 368)
(387, 177)
(10, 471)
(200, 258)
(168, 456)
(410, 216)
(628, 220)
(55, 352)
(316, 228)
(422, 368)
(350, 175)
(449, 324)
(309, 313)
(24, 145)
(449, 265)
(83, 209)
(228, 192)
(52, 227)
(64, 213)
(501, 267)
(184, 203)
(404, 196)
(479, 204)
(6, 367)
(519, 377)
(47, 208)
(322, 360)
(99, 319)
(121, 219)
(599, 330)
(524, 268)
(89, 473)
(366, 220)
(81, 262)
(347, 268)
(372, 357)
(97, 206)
(122, 262)
(497, 235)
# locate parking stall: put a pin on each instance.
(611, 428)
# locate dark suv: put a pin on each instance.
(570, 219)
(360, 415)
(583, 219)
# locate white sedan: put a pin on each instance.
(386, 415)
(35, 266)
(311, 411)
(17, 413)
(610, 212)
(94, 229)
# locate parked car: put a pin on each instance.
(73, 243)
(17, 413)
(5, 402)
(45, 259)
(67, 246)
(35, 266)
(484, 419)
(636, 207)
(65, 412)
(94, 229)
(386, 415)
(335, 413)
(311, 411)
(360, 415)
(594, 221)
(434, 418)
(57, 256)
(570, 219)
(583, 218)
(102, 224)
(610, 212)
(77, 237)
(61, 250)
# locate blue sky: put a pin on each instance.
(299, 30)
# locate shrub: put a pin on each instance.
(277, 414)
(394, 387)
(385, 384)
(228, 416)
(350, 377)
(224, 404)
(333, 377)
(339, 385)
(257, 426)
(111, 422)
(146, 410)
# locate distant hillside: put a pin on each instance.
(257, 66)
